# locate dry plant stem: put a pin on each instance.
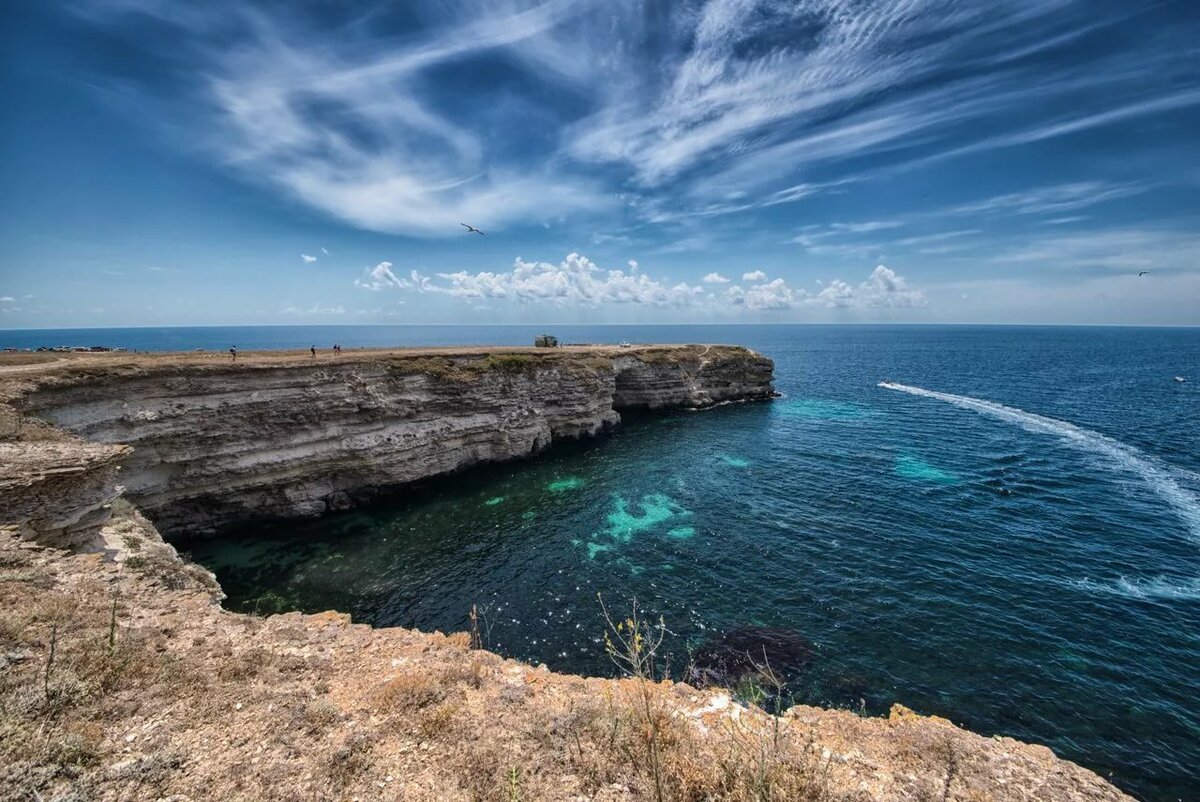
(632, 645)
(50, 659)
(112, 620)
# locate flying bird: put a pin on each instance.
(1144, 272)
(471, 229)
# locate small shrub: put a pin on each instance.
(12, 627)
(351, 759)
(244, 665)
(409, 692)
(319, 715)
(437, 722)
(512, 363)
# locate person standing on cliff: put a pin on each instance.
(233, 353)
(314, 351)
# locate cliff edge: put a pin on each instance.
(277, 435)
(122, 678)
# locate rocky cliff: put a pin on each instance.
(122, 678)
(216, 442)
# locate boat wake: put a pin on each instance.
(1156, 588)
(1161, 478)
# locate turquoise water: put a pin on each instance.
(1009, 537)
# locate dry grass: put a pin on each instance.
(469, 370)
(68, 672)
(180, 698)
(409, 691)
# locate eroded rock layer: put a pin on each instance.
(218, 442)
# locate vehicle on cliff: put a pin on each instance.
(545, 341)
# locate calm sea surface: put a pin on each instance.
(1008, 537)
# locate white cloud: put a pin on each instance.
(308, 260)
(1115, 249)
(357, 128)
(734, 119)
(315, 309)
(577, 281)
(884, 288)
(7, 299)
(773, 295)
(747, 96)
(379, 277)
(755, 275)
(324, 251)
(1055, 199)
(574, 281)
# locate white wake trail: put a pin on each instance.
(1160, 477)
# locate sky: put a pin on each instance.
(727, 161)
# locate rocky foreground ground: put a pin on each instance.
(122, 678)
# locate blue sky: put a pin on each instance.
(724, 161)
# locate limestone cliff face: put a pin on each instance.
(217, 443)
(58, 493)
(693, 378)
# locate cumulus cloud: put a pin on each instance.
(772, 295)
(575, 280)
(884, 288)
(579, 281)
(380, 277)
(7, 299)
(308, 260)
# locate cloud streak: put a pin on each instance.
(706, 110)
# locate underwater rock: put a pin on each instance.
(741, 652)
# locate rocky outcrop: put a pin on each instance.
(660, 379)
(58, 493)
(216, 443)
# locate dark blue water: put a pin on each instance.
(1028, 566)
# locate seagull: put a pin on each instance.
(1144, 272)
(471, 229)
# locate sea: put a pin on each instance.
(998, 525)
